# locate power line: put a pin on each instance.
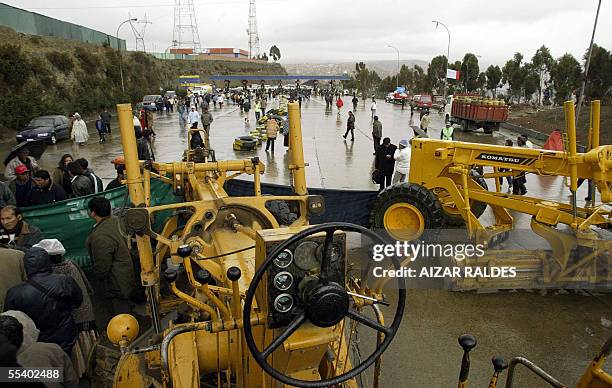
(168, 5)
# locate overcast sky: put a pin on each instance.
(347, 31)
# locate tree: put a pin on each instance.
(514, 76)
(531, 83)
(494, 76)
(436, 73)
(470, 71)
(275, 53)
(599, 79)
(565, 74)
(367, 80)
(542, 62)
(481, 82)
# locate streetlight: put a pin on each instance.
(467, 71)
(398, 65)
(174, 44)
(447, 53)
(119, 48)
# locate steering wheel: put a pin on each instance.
(326, 304)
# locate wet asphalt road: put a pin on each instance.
(561, 332)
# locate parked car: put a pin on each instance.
(170, 94)
(48, 128)
(389, 97)
(151, 101)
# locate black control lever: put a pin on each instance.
(499, 364)
(467, 342)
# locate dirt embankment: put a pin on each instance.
(45, 75)
(546, 120)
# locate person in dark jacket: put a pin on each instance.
(376, 133)
(81, 184)
(207, 119)
(106, 120)
(384, 162)
(22, 185)
(61, 176)
(144, 148)
(15, 232)
(48, 299)
(44, 190)
(96, 181)
(119, 163)
(112, 263)
(350, 126)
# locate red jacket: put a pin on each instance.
(339, 103)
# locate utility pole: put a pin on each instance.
(119, 48)
(447, 54)
(398, 65)
(252, 31)
(186, 33)
(586, 70)
(140, 32)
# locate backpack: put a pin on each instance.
(96, 182)
(100, 125)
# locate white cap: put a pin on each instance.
(52, 246)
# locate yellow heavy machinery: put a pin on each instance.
(443, 186)
(594, 377)
(241, 291)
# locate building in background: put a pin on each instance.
(226, 52)
(32, 23)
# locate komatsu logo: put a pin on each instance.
(503, 158)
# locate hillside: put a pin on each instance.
(40, 75)
(383, 68)
(547, 119)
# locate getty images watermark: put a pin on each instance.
(520, 259)
(458, 252)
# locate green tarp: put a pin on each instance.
(69, 222)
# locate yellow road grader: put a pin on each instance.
(243, 293)
(445, 187)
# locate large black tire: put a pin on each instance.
(280, 210)
(478, 208)
(413, 194)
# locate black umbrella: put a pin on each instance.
(36, 147)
